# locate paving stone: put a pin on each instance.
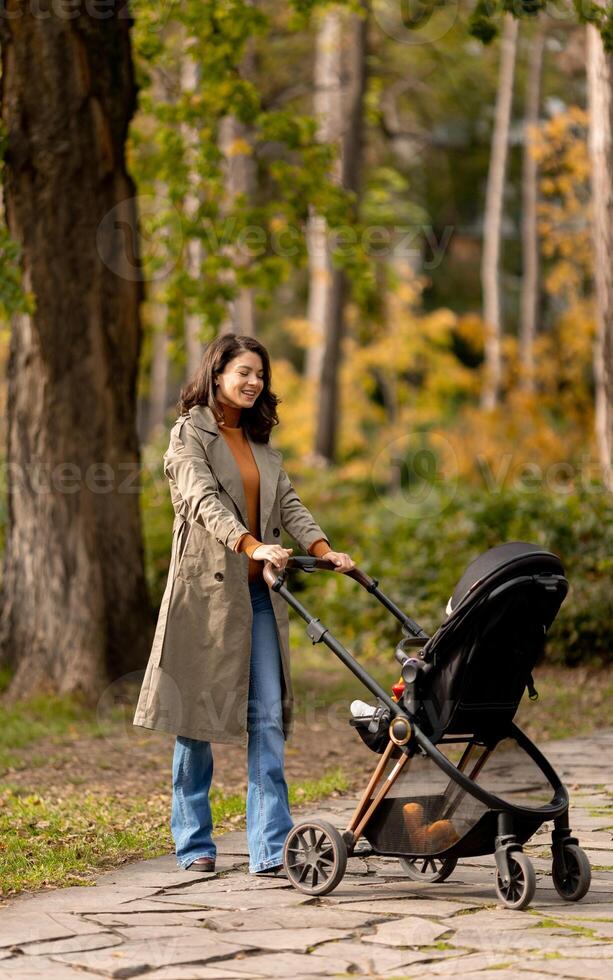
(370, 959)
(460, 965)
(599, 951)
(290, 918)
(196, 972)
(71, 944)
(131, 958)
(407, 931)
(282, 939)
(158, 933)
(288, 965)
(566, 967)
(28, 968)
(234, 900)
(231, 883)
(498, 919)
(124, 918)
(500, 974)
(410, 906)
(590, 910)
(545, 940)
(26, 925)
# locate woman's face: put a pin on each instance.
(242, 380)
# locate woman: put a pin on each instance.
(219, 668)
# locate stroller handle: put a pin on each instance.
(308, 563)
(275, 579)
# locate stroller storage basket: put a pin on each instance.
(424, 814)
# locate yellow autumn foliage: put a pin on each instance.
(403, 377)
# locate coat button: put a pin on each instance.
(219, 576)
(276, 532)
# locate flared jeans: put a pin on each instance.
(268, 816)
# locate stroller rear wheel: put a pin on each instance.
(315, 857)
(574, 882)
(522, 885)
(428, 868)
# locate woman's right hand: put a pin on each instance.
(274, 553)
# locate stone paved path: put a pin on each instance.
(152, 918)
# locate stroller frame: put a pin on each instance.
(513, 824)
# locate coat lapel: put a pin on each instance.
(225, 467)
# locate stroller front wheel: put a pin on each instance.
(573, 883)
(428, 869)
(522, 884)
(314, 857)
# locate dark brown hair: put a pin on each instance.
(257, 420)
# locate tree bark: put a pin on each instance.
(600, 105)
(340, 82)
(194, 345)
(74, 607)
(494, 201)
(530, 242)
(158, 396)
(236, 143)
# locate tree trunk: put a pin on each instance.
(494, 201)
(194, 345)
(340, 81)
(158, 396)
(235, 141)
(600, 104)
(530, 245)
(327, 106)
(74, 608)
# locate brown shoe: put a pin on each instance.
(202, 864)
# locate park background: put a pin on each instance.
(410, 208)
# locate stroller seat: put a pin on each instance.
(476, 666)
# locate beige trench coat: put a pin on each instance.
(196, 683)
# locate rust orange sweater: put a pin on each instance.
(238, 443)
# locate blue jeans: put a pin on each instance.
(268, 816)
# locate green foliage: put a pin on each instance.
(419, 561)
(588, 12)
(177, 161)
(483, 22)
(13, 298)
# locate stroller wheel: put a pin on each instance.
(575, 882)
(314, 857)
(428, 868)
(522, 886)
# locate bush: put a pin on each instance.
(418, 561)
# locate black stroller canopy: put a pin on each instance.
(484, 651)
(505, 564)
(502, 562)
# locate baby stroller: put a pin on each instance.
(447, 725)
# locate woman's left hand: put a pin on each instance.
(342, 561)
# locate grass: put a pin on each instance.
(48, 842)
(43, 718)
